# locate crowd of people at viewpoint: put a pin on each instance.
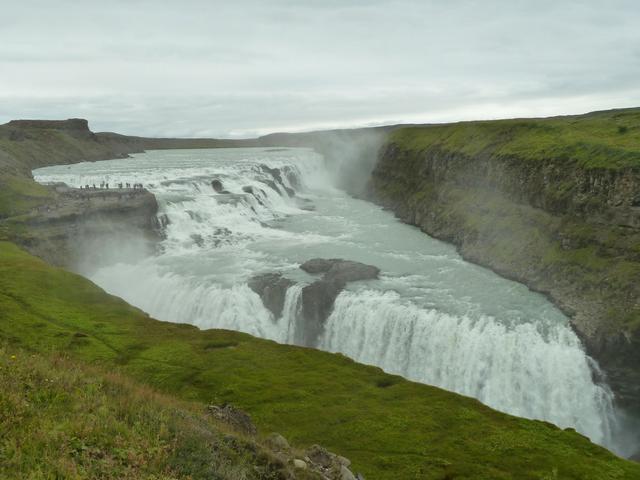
(105, 185)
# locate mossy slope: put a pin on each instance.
(607, 139)
(62, 419)
(390, 428)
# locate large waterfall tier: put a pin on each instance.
(232, 214)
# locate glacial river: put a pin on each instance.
(431, 317)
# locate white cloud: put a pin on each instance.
(237, 68)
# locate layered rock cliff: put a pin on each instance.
(68, 226)
(553, 203)
(83, 229)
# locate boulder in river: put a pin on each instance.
(318, 297)
(341, 270)
(272, 288)
(217, 185)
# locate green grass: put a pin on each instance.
(62, 419)
(18, 195)
(599, 140)
(389, 427)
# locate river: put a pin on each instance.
(431, 316)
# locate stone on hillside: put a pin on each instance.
(301, 464)
(345, 474)
(277, 443)
(320, 456)
(236, 418)
(343, 461)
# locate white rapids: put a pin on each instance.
(432, 317)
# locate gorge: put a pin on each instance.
(230, 215)
(274, 237)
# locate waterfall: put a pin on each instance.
(518, 369)
(182, 300)
(291, 314)
(432, 317)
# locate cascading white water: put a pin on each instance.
(432, 317)
(519, 370)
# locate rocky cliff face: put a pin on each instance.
(70, 227)
(565, 230)
(84, 229)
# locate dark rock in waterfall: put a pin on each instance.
(271, 184)
(277, 177)
(252, 191)
(275, 173)
(317, 304)
(341, 270)
(164, 220)
(217, 186)
(318, 298)
(317, 265)
(272, 288)
(197, 239)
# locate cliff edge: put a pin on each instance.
(553, 203)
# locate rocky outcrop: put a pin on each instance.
(317, 298)
(277, 175)
(90, 226)
(340, 271)
(563, 229)
(317, 460)
(272, 288)
(237, 419)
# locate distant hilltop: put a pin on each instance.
(69, 124)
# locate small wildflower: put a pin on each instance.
(13, 357)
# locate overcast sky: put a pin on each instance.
(243, 67)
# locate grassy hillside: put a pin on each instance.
(62, 419)
(389, 427)
(609, 139)
(18, 195)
